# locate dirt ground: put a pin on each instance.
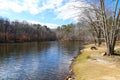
(92, 65)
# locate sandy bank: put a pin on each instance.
(92, 65)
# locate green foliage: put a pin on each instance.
(72, 32)
(67, 29)
(58, 28)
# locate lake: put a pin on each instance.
(36, 60)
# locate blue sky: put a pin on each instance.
(52, 13)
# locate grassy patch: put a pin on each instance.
(86, 52)
(117, 51)
(84, 56)
(86, 67)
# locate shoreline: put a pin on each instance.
(80, 68)
(70, 76)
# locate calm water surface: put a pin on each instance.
(36, 61)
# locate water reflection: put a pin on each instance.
(36, 61)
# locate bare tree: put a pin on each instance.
(111, 32)
(101, 24)
(16, 31)
(92, 20)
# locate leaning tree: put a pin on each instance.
(107, 22)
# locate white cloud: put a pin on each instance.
(32, 6)
(13, 5)
(50, 4)
(70, 10)
(18, 6)
(63, 11)
(50, 25)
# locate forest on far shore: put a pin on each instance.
(15, 31)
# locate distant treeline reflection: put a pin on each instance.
(18, 48)
(15, 31)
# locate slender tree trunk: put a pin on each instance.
(99, 37)
(107, 36)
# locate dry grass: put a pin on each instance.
(90, 65)
(95, 71)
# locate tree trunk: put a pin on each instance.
(110, 50)
(99, 42)
(99, 38)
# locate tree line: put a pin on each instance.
(15, 31)
(77, 32)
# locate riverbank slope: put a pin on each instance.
(92, 65)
